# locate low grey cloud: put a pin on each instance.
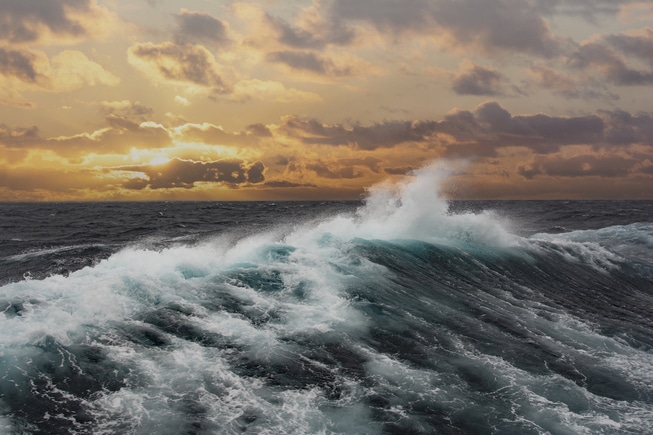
(614, 67)
(560, 84)
(184, 174)
(478, 80)
(639, 45)
(587, 165)
(627, 128)
(199, 27)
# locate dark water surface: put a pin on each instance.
(406, 314)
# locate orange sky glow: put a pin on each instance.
(319, 100)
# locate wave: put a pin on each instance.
(400, 317)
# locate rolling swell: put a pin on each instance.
(399, 318)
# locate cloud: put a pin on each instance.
(20, 179)
(284, 184)
(184, 174)
(181, 65)
(126, 108)
(481, 132)
(121, 136)
(322, 169)
(24, 70)
(488, 26)
(312, 30)
(563, 85)
(638, 43)
(51, 21)
(267, 90)
(597, 56)
(392, 16)
(511, 25)
(72, 70)
(380, 135)
(478, 80)
(214, 135)
(626, 128)
(330, 66)
(198, 27)
(20, 64)
(541, 133)
(588, 165)
(18, 137)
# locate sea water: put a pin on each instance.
(403, 313)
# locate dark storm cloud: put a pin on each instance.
(23, 21)
(541, 133)
(180, 173)
(480, 133)
(579, 166)
(19, 64)
(308, 61)
(198, 27)
(489, 25)
(595, 55)
(382, 135)
(478, 80)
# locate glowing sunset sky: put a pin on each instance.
(224, 100)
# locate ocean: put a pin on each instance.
(402, 313)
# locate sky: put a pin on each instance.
(319, 100)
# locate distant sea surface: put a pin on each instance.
(401, 314)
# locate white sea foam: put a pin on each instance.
(413, 208)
